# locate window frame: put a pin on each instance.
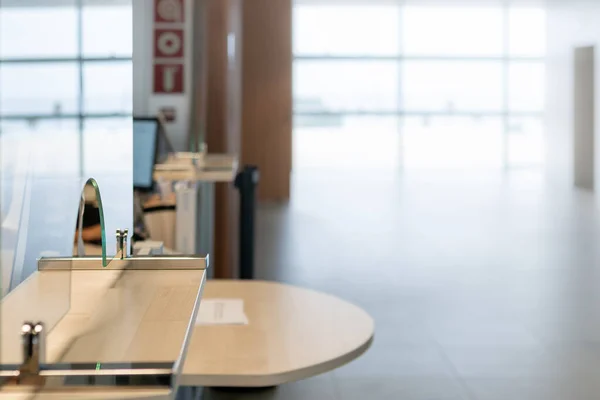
(80, 116)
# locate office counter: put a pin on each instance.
(293, 333)
(104, 316)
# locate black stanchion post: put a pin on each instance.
(246, 182)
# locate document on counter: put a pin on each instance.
(221, 312)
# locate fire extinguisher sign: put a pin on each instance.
(168, 78)
(169, 40)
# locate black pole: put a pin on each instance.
(246, 182)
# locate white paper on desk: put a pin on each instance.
(221, 312)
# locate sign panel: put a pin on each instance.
(169, 11)
(168, 78)
(168, 43)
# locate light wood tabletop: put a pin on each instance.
(293, 333)
(103, 316)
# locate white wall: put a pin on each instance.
(571, 24)
(145, 103)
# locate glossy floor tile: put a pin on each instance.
(483, 286)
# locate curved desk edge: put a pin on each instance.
(258, 381)
(286, 375)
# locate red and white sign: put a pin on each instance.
(169, 11)
(168, 78)
(168, 43)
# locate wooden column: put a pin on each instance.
(243, 102)
(219, 89)
(267, 94)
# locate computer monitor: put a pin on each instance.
(150, 146)
(145, 145)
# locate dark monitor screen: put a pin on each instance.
(145, 139)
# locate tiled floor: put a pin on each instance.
(483, 286)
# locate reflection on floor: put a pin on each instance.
(482, 286)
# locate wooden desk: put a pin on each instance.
(103, 316)
(293, 334)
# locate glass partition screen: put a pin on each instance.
(65, 116)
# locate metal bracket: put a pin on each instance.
(165, 262)
(33, 373)
(122, 243)
(33, 337)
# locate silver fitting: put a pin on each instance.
(33, 341)
(122, 243)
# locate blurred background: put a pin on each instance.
(432, 161)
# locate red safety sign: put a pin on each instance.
(168, 78)
(168, 43)
(169, 11)
(169, 46)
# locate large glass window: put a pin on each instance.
(329, 30)
(65, 59)
(44, 139)
(465, 84)
(526, 86)
(39, 88)
(527, 32)
(65, 71)
(65, 115)
(104, 133)
(101, 42)
(33, 32)
(345, 86)
(452, 31)
(450, 86)
(107, 87)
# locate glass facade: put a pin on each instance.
(464, 84)
(67, 59)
